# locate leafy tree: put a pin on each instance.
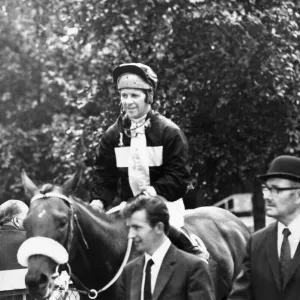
(228, 70)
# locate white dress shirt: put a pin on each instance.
(157, 257)
(294, 237)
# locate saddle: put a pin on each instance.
(188, 242)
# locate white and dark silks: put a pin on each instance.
(151, 154)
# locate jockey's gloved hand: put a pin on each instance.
(148, 191)
(97, 204)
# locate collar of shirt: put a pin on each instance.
(157, 258)
(137, 122)
(138, 126)
(10, 224)
(7, 226)
(159, 254)
(294, 237)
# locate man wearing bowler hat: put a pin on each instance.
(271, 267)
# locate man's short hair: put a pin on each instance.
(155, 207)
(10, 209)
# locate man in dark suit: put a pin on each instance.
(271, 267)
(12, 234)
(163, 272)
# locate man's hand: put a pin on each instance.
(97, 205)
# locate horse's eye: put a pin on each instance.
(63, 222)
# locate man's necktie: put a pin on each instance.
(285, 255)
(147, 286)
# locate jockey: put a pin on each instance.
(143, 152)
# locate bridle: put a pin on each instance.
(92, 293)
(73, 217)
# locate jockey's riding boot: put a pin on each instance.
(182, 241)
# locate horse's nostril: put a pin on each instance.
(43, 279)
(33, 281)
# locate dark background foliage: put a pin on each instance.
(228, 71)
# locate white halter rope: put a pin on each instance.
(54, 250)
(115, 278)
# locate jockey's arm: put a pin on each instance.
(176, 173)
(105, 174)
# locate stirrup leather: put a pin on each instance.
(197, 244)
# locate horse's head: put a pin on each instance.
(49, 226)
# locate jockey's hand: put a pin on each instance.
(98, 205)
(149, 191)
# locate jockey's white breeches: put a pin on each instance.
(176, 211)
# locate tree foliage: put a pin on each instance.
(228, 71)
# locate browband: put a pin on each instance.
(50, 195)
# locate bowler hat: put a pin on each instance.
(285, 166)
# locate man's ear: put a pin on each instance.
(16, 222)
(159, 228)
(298, 196)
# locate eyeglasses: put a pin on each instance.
(276, 190)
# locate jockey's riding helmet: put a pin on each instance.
(135, 75)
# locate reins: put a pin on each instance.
(92, 293)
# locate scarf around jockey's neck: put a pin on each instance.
(138, 125)
(124, 124)
(139, 121)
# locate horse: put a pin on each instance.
(94, 244)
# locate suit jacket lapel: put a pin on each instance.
(272, 253)
(136, 282)
(293, 266)
(165, 272)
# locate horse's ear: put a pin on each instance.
(30, 188)
(70, 185)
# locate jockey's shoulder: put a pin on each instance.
(165, 122)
